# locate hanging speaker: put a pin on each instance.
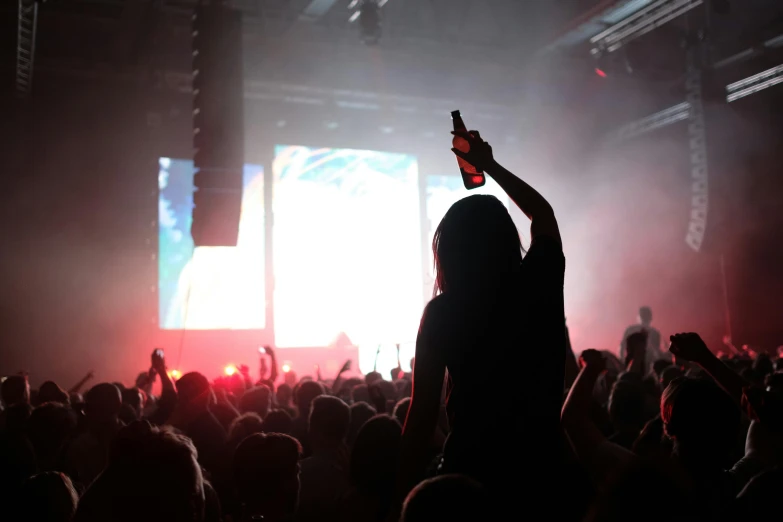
(218, 125)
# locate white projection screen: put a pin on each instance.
(347, 248)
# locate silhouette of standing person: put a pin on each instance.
(495, 312)
(654, 352)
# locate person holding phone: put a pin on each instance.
(493, 309)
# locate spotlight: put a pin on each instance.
(175, 374)
(286, 368)
(230, 370)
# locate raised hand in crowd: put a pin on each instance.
(77, 388)
(530, 202)
(339, 379)
(690, 347)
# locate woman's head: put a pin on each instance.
(476, 244)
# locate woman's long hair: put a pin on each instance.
(475, 246)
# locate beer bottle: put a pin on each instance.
(471, 177)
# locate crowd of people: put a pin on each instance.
(654, 434)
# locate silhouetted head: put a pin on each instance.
(476, 246)
(47, 497)
(305, 394)
(374, 455)
(401, 410)
(701, 419)
(243, 426)
(404, 388)
(361, 412)
(16, 418)
(103, 403)
(388, 389)
(669, 374)
(194, 390)
(50, 392)
(50, 428)
(257, 400)
(360, 393)
(645, 315)
(152, 475)
(135, 398)
(330, 418)
(627, 405)
(372, 378)
(284, 394)
(447, 497)
(15, 390)
(659, 366)
(266, 474)
(132, 405)
(278, 421)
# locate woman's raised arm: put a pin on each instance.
(530, 202)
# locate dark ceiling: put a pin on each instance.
(462, 48)
(429, 48)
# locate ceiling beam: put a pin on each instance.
(597, 19)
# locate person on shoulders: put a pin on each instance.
(493, 308)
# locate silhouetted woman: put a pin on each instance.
(498, 326)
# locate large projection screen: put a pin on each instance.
(347, 247)
(209, 288)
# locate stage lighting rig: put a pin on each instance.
(679, 112)
(26, 27)
(756, 83)
(640, 23)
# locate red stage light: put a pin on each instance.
(600, 72)
(477, 179)
(286, 368)
(230, 370)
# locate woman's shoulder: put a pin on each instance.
(545, 257)
(443, 317)
(545, 247)
(437, 310)
(448, 307)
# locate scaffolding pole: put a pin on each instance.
(25, 46)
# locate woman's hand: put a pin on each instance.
(529, 201)
(479, 152)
